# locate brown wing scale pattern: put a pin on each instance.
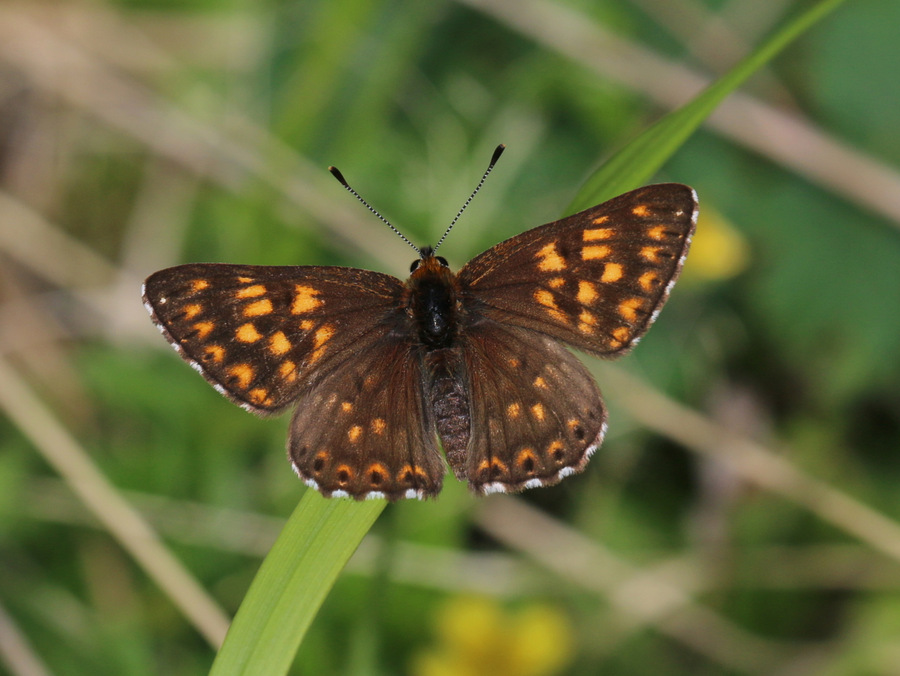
(260, 334)
(595, 280)
(379, 368)
(537, 414)
(365, 431)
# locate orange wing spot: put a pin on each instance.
(243, 374)
(344, 474)
(305, 299)
(592, 235)
(513, 362)
(323, 335)
(346, 406)
(540, 383)
(307, 324)
(545, 298)
(199, 285)
(556, 282)
(526, 459)
(657, 232)
(245, 280)
(628, 308)
(612, 272)
(250, 291)
(258, 307)
(590, 253)
(279, 344)
(214, 353)
(558, 315)
(640, 210)
(538, 412)
(354, 433)
(203, 329)
(409, 474)
(320, 461)
(512, 411)
(587, 318)
(493, 467)
(247, 333)
(376, 473)
(587, 292)
(621, 334)
(586, 322)
(551, 261)
(651, 253)
(379, 425)
(600, 220)
(556, 449)
(288, 371)
(259, 395)
(648, 281)
(191, 311)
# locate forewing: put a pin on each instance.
(537, 414)
(262, 334)
(596, 279)
(365, 430)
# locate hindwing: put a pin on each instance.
(536, 413)
(365, 430)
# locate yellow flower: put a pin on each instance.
(478, 637)
(718, 250)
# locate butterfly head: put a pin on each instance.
(428, 260)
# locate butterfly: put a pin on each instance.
(383, 373)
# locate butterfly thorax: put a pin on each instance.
(432, 302)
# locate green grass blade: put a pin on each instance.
(643, 157)
(292, 583)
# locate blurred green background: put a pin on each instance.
(742, 515)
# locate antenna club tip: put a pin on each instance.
(498, 151)
(338, 175)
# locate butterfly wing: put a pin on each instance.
(261, 335)
(596, 279)
(325, 338)
(536, 412)
(365, 430)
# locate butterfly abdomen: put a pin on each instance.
(449, 400)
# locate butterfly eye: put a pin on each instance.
(415, 264)
(442, 261)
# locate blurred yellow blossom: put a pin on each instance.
(718, 251)
(479, 637)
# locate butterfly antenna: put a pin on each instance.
(498, 151)
(340, 177)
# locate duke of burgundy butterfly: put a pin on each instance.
(384, 373)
